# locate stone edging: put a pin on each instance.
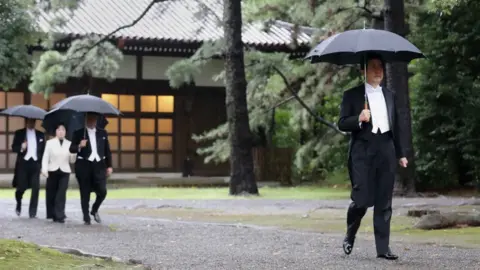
(81, 253)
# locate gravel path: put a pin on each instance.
(180, 245)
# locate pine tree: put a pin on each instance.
(397, 81)
(242, 177)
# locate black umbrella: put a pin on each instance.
(26, 111)
(350, 47)
(72, 120)
(86, 104)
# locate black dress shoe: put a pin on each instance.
(388, 256)
(96, 217)
(18, 209)
(347, 246)
(88, 222)
(33, 216)
(59, 220)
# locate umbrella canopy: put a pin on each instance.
(350, 47)
(86, 103)
(72, 120)
(26, 111)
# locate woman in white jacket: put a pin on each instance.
(56, 167)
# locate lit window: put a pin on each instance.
(111, 98)
(165, 104)
(148, 104)
(127, 103)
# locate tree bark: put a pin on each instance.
(397, 81)
(242, 177)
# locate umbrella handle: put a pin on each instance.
(85, 128)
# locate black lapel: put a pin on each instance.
(87, 137)
(98, 137)
(389, 102)
(24, 133)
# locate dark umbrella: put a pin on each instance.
(80, 104)
(350, 47)
(72, 120)
(26, 111)
(86, 103)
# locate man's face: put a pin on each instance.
(30, 123)
(91, 120)
(374, 72)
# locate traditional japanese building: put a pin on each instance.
(154, 132)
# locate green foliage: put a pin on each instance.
(445, 6)
(17, 31)
(184, 71)
(446, 97)
(285, 136)
(82, 58)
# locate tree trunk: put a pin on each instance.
(242, 177)
(397, 81)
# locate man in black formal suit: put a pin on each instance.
(375, 150)
(93, 165)
(29, 144)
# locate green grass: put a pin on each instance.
(21, 255)
(308, 193)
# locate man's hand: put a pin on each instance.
(82, 144)
(403, 162)
(24, 146)
(364, 116)
(45, 173)
(109, 171)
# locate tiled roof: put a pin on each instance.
(172, 20)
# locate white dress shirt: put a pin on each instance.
(378, 109)
(57, 156)
(31, 145)
(92, 137)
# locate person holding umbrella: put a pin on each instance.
(94, 158)
(29, 144)
(370, 114)
(375, 147)
(93, 165)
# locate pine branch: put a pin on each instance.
(106, 37)
(280, 103)
(365, 8)
(318, 118)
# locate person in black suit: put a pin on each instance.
(29, 144)
(375, 149)
(93, 165)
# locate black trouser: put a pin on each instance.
(56, 194)
(372, 167)
(91, 176)
(28, 176)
